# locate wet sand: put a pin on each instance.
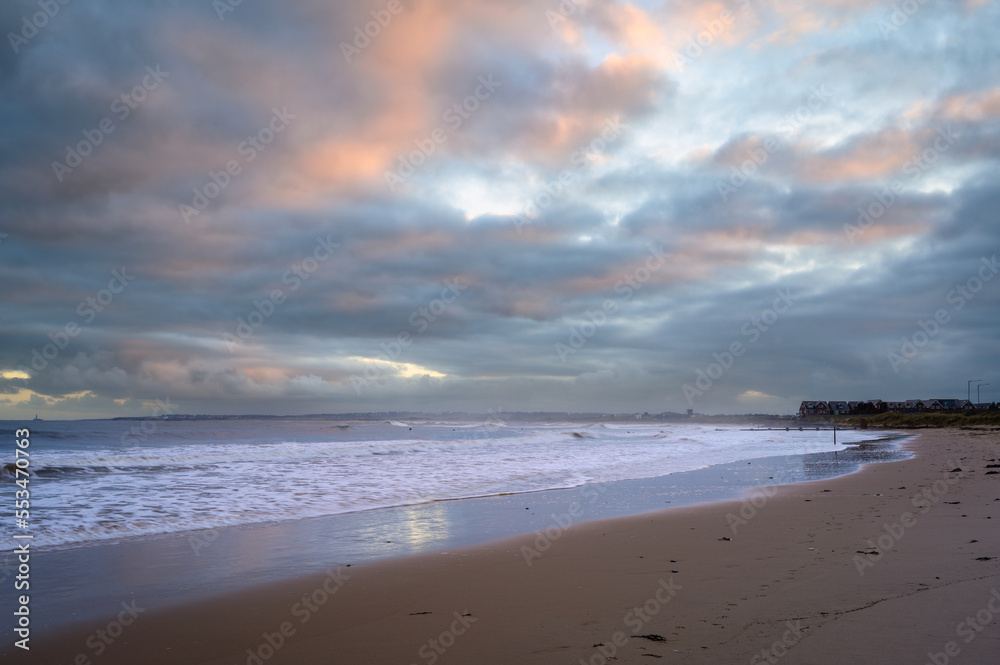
(80, 585)
(877, 566)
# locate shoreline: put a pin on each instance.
(319, 492)
(788, 580)
(889, 436)
(77, 585)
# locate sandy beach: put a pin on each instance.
(898, 563)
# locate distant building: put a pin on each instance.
(814, 409)
(868, 408)
(876, 406)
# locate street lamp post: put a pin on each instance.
(968, 385)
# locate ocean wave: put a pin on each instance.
(8, 472)
(99, 493)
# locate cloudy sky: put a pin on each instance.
(315, 206)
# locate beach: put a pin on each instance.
(895, 563)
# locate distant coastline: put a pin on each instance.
(889, 420)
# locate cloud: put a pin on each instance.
(486, 112)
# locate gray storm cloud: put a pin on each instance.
(233, 165)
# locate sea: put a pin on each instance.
(101, 480)
(170, 511)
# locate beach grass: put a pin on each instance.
(920, 420)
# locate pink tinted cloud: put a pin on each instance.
(873, 156)
(971, 107)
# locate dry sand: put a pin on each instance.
(791, 573)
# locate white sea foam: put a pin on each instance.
(202, 478)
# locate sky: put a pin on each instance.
(492, 206)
